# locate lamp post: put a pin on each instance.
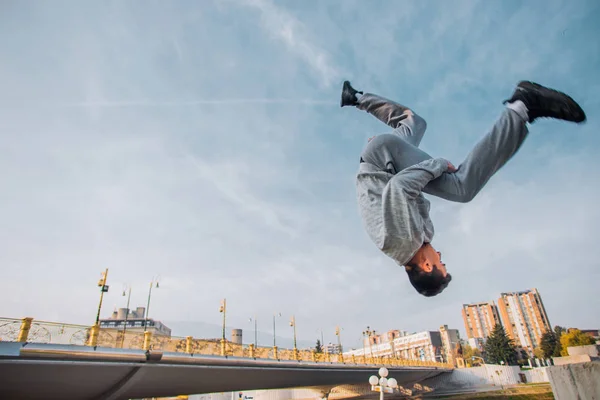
(275, 355)
(103, 289)
(368, 332)
(153, 282)
(255, 332)
(383, 384)
(339, 340)
(128, 288)
(223, 309)
(293, 324)
(95, 330)
(274, 337)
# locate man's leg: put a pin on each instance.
(529, 102)
(487, 157)
(406, 124)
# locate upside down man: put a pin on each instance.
(394, 173)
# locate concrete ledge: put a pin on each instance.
(575, 381)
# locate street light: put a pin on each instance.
(103, 289)
(293, 324)
(368, 332)
(274, 337)
(126, 287)
(223, 309)
(383, 384)
(339, 338)
(255, 334)
(153, 282)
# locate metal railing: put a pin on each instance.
(34, 331)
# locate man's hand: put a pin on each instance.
(451, 168)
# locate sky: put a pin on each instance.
(203, 143)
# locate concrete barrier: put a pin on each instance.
(488, 375)
(575, 381)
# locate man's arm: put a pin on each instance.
(413, 179)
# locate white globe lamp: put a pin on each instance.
(373, 380)
(383, 372)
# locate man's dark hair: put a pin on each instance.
(428, 284)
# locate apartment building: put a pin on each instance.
(524, 318)
(480, 320)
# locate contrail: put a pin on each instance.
(189, 103)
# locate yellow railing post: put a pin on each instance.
(341, 358)
(313, 355)
(353, 359)
(147, 339)
(251, 350)
(94, 332)
(188, 344)
(275, 355)
(327, 357)
(24, 330)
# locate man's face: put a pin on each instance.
(433, 259)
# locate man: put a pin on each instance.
(394, 173)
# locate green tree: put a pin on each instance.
(499, 347)
(548, 344)
(574, 338)
(318, 347)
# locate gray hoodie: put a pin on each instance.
(394, 212)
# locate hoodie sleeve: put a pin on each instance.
(404, 215)
(413, 179)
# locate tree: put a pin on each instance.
(548, 344)
(558, 332)
(499, 347)
(574, 338)
(538, 352)
(469, 352)
(318, 347)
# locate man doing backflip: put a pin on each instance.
(394, 173)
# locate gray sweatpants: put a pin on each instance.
(400, 149)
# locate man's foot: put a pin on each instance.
(542, 102)
(349, 95)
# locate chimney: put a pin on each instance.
(140, 311)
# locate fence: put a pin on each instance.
(33, 331)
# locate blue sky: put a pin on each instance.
(203, 141)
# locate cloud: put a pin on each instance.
(282, 25)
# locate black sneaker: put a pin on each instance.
(543, 102)
(349, 95)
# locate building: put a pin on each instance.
(595, 333)
(450, 344)
(477, 343)
(425, 346)
(135, 322)
(480, 320)
(331, 348)
(524, 318)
